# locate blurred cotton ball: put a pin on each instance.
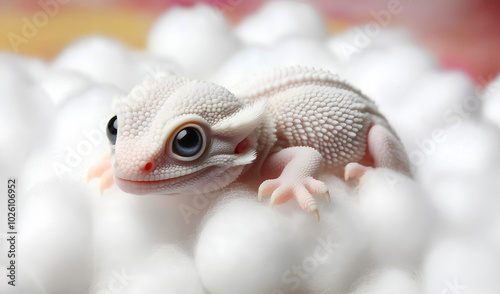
(385, 74)
(466, 147)
(73, 125)
(26, 115)
(252, 60)
(107, 61)
(197, 38)
(244, 247)
(492, 235)
(60, 86)
(279, 20)
(167, 270)
(466, 203)
(426, 108)
(33, 69)
(101, 59)
(398, 215)
(335, 251)
(292, 51)
(127, 227)
(388, 280)
(348, 44)
(458, 265)
(491, 98)
(78, 138)
(55, 237)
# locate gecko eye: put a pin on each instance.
(112, 130)
(189, 143)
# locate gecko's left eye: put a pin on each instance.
(112, 130)
(189, 142)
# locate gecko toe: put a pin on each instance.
(316, 187)
(267, 188)
(354, 171)
(106, 181)
(281, 195)
(99, 168)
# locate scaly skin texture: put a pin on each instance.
(278, 131)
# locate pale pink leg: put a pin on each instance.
(296, 167)
(385, 149)
(354, 171)
(103, 170)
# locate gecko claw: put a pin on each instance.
(316, 214)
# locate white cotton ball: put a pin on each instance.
(467, 147)
(492, 235)
(460, 265)
(431, 102)
(335, 254)
(26, 116)
(300, 51)
(55, 237)
(388, 280)
(23, 284)
(244, 247)
(391, 36)
(197, 39)
(251, 60)
(167, 270)
(101, 59)
(466, 203)
(128, 226)
(60, 86)
(347, 45)
(385, 74)
(491, 100)
(241, 65)
(33, 69)
(144, 67)
(107, 61)
(279, 20)
(78, 138)
(398, 217)
(84, 113)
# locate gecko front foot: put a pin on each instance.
(103, 170)
(283, 189)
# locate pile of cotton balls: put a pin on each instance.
(436, 233)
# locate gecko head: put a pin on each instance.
(181, 136)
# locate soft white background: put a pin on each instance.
(436, 233)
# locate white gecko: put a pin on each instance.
(279, 130)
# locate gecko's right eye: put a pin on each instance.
(112, 130)
(189, 143)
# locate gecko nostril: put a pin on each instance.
(145, 165)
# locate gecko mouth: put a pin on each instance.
(157, 186)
